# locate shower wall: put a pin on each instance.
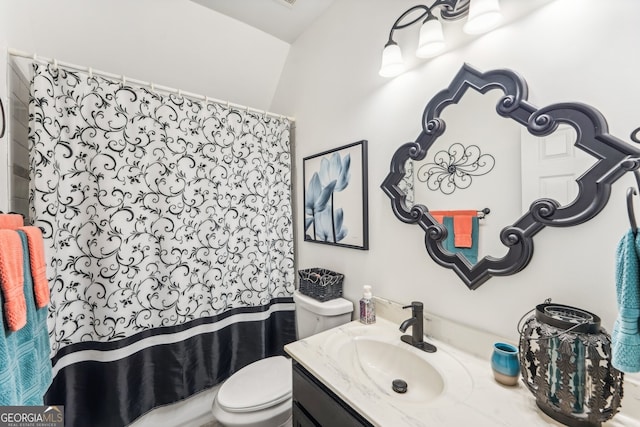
(18, 130)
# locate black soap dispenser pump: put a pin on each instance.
(367, 309)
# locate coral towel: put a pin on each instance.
(37, 264)
(462, 227)
(12, 280)
(11, 221)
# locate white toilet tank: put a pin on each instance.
(313, 316)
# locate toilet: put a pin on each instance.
(259, 395)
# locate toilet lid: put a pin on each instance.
(260, 385)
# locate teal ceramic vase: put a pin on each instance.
(504, 362)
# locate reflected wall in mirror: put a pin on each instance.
(509, 169)
(492, 149)
(471, 123)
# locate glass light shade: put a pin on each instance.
(392, 63)
(484, 15)
(431, 40)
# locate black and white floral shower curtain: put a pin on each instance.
(169, 231)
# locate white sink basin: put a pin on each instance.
(374, 356)
(382, 362)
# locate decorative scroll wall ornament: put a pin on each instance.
(455, 167)
(614, 157)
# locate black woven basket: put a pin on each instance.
(321, 284)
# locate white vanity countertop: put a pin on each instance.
(479, 402)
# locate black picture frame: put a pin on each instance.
(335, 197)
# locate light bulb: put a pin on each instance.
(392, 63)
(431, 40)
(484, 15)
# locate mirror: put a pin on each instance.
(476, 155)
(485, 147)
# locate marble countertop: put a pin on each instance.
(471, 396)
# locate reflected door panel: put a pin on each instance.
(550, 166)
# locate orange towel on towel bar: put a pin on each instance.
(12, 280)
(38, 264)
(462, 225)
(11, 221)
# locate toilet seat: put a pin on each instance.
(259, 385)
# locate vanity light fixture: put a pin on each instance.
(482, 16)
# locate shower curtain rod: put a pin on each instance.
(154, 87)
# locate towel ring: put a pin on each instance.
(631, 191)
(632, 216)
(3, 118)
(635, 136)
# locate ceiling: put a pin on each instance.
(284, 19)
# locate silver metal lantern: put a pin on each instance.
(565, 360)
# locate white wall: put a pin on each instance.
(175, 43)
(567, 50)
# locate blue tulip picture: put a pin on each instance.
(335, 209)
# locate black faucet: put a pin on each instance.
(417, 331)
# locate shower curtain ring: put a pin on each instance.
(152, 87)
(55, 64)
(124, 80)
(90, 72)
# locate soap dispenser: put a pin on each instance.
(367, 309)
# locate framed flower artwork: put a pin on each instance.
(336, 198)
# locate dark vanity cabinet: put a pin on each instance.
(315, 405)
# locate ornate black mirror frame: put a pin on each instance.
(614, 158)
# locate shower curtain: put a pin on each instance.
(169, 234)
